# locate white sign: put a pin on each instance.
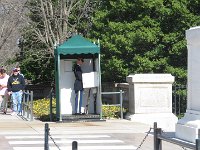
(90, 79)
(67, 66)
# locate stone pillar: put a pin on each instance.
(150, 99)
(187, 127)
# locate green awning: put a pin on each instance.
(77, 45)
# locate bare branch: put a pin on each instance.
(57, 21)
(11, 16)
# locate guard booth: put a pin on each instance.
(65, 58)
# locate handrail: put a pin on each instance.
(27, 105)
(177, 142)
(158, 138)
(112, 92)
(121, 100)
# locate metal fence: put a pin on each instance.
(121, 100)
(179, 99)
(27, 105)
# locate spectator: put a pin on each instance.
(3, 90)
(19, 71)
(16, 85)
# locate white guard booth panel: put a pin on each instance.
(90, 85)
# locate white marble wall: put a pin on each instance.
(193, 45)
(190, 123)
(150, 99)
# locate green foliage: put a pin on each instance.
(42, 112)
(180, 116)
(50, 22)
(41, 109)
(110, 112)
(38, 70)
(135, 37)
(144, 37)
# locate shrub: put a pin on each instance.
(110, 111)
(42, 112)
(41, 109)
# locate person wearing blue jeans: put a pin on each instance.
(16, 85)
(78, 85)
(17, 101)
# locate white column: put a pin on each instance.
(187, 127)
(150, 99)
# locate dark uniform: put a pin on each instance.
(78, 85)
(78, 88)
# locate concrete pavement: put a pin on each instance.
(15, 134)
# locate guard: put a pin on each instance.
(78, 85)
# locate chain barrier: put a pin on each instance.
(144, 139)
(184, 148)
(54, 141)
(142, 142)
(148, 132)
(47, 134)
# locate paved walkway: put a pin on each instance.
(17, 134)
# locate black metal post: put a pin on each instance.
(197, 144)
(175, 100)
(51, 95)
(31, 106)
(95, 103)
(179, 101)
(46, 136)
(155, 135)
(198, 141)
(74, 145)
(157, 141)
(121, 104)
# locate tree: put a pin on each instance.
(54, 21)
(51, 22)
(12, 19)
(144, 36)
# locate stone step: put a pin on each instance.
(81, 118)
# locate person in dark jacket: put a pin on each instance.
(78, 85)
(16, 85)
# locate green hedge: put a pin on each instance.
(41, 109)
(42, 112)
(110, 112)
